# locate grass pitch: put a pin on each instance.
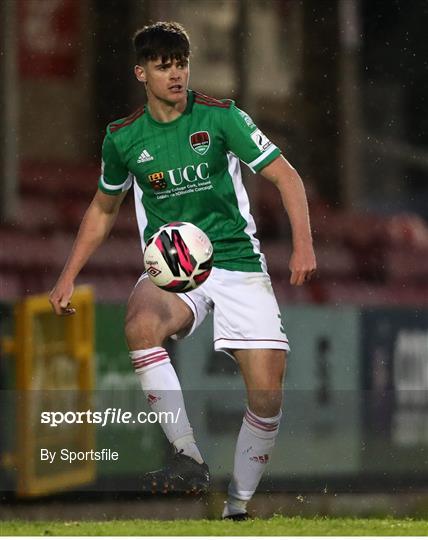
(275, 526)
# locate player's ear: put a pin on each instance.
(140, 73)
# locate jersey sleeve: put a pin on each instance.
(246, 141)
(115, 177)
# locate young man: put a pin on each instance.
(181, 154)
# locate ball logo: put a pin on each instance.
(153, 271)
(200, 142)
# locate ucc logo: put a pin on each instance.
(190, 173)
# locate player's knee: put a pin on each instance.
(265, 402)
(142, 332)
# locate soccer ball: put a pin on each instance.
(178, 257)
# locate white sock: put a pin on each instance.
(234, 506)
(253, 449)
(162, 389)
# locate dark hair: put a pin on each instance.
(167, 40)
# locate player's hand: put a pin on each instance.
(60, 297)
(302, 265)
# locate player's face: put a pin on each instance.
(166, 81)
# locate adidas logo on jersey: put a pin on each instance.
(144, 157)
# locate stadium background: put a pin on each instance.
(339, 86)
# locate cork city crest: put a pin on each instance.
(200, 142)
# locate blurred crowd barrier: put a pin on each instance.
(364, 258)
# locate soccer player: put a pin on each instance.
(181, 154)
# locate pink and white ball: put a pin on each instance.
(178, 257)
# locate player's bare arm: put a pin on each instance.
(94, 229)
(302, 261)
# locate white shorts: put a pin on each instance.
(246, 313)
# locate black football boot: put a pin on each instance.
(182, 474)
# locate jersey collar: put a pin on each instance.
(187, 110)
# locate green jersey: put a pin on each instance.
(189, 170)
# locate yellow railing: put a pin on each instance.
(54, 372)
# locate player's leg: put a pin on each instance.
(248, 326)
(153, 315)
(263, 372)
